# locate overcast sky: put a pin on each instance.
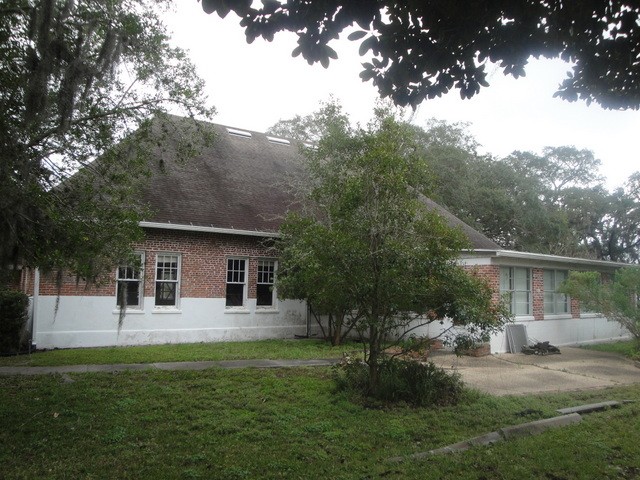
(254, 86)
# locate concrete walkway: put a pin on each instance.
(167, 366)
(504, 374)
(518, 374)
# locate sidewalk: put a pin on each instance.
(503, 374)
(166, 366)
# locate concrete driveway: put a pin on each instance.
(517, 374)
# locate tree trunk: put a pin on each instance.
(336, 336)
(373, 360)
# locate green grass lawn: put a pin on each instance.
(627, 348)
(289, 424)
(264, 349)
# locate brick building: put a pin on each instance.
(206, 267)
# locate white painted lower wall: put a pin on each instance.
(590, 328)
(560, 331)
(92, 321)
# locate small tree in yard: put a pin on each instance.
(367, 246)
(617, 300)
(313, 258)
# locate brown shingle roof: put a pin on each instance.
(478, 240)
(241, 183)
(236, 183)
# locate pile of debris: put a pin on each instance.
(540, 348)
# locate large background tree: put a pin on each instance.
(552, 202)
(75, 79)
(424, 49)
(367, 236)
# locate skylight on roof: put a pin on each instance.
(238, 133)
(279, 141)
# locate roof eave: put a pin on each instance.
(542, 257)
(202, 228)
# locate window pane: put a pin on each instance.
(265, 295)
(516, 283)
(507, 297)
(167, 267)
(166, 293)
(130, 292)
(521, 280)
(235, 294)
(522, 309)
(521, 303)
(549, 305)
(266, 271)
(127, 272)
(505, 279)
(235, 270)
(561, 276)
(129, 283)
(554, 302)
(562, 306)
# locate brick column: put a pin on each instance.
(574, 305)
(537, 293)
(252, 277)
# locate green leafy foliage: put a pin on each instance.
(311, 128)
(75, 79)
(415, 383)
(554, 202)
(617, 300)
(422, 50)
(13, 317)
(367, 247)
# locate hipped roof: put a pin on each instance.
(239, 183)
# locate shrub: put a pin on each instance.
(418, 384)
(13, 317)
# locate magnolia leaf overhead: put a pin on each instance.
(426, 48)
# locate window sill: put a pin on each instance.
(524, 318)
(557, 316)
(267, 310)
(129, 311)
(590, 315)
(242, 310)
(161, 310)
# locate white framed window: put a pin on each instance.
(167, 280)
(554, 302)
(515, 285)
(265, 293)
(236, 282)
(130, 283)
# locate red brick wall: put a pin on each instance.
(537, 292)
(65, 284)
(575, 307)
(490, 273)
(203, 269)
